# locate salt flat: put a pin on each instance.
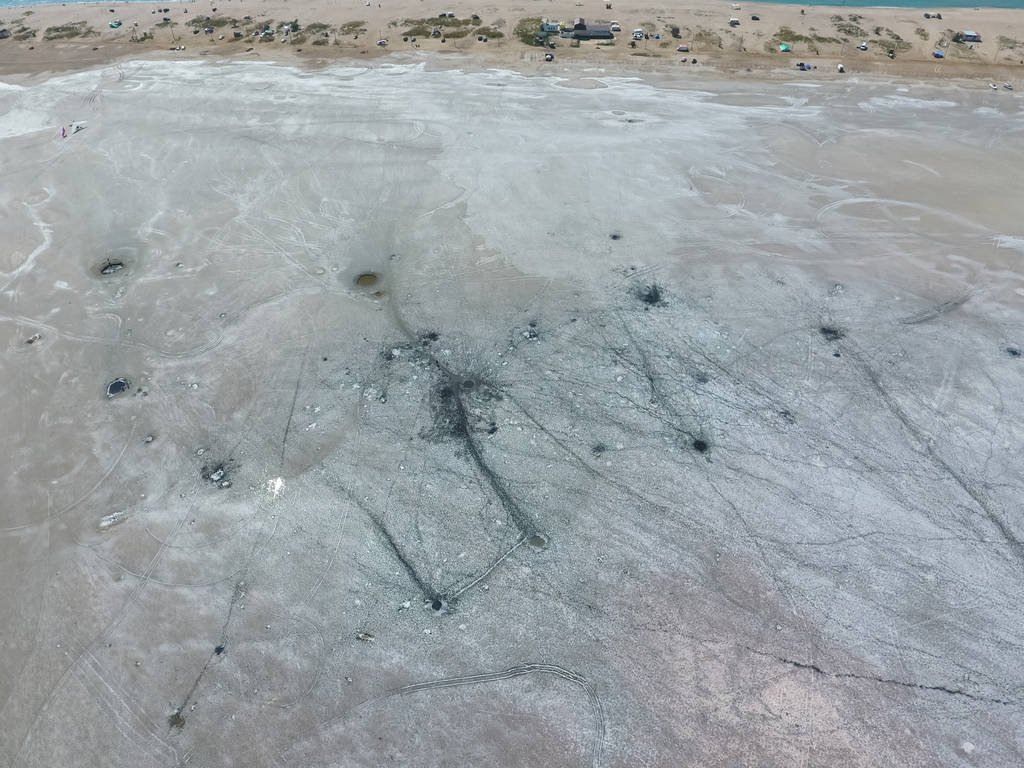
(475, 418)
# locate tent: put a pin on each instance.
(938, 54)
(785, 48)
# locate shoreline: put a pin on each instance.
(53, 37)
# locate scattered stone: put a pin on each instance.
(37, 336)
(219, 650)
(148, 439)
(830, 333)
(108, 521)
(111, 266)
(365, 637)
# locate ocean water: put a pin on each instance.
(923, 4)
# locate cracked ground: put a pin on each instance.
(350, 423)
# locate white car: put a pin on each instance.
(638, 34)
(616, 27)
(863, 46)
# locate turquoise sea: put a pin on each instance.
(923, 4)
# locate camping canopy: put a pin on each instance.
(785, 48)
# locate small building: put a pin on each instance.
(579, 24)
(969, 36)
(547, 26)
(594, 32)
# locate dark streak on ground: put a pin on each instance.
(291, 410)
(428, 592)
(1014, 543)
(883, 680)
(177, 718)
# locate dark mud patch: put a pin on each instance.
(615, 236)
(652, 295)
(598, 449)
(538, 542)
(367, 279)
(438, 606)
(429, 337)
(449, 416)
(831, 333)
(118, 386)
(176, 720)
(219, 650)
(700, 446)
(1013, 351)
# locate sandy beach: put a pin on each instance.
(80, 35)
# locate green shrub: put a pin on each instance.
(527, 31)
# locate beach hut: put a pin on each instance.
(593, 32)
(785, 48)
